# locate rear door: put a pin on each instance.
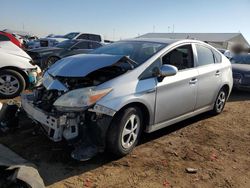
(209, 78)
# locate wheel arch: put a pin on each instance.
(20, 71)
(144, 109)
(227, 88)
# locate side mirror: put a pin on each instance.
(167, 70)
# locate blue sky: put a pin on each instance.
(121, 19)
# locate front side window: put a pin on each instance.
(181, 57)
(205, 55)
(66, 44)
(82, 45)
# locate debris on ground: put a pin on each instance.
(17, 172)
(191, 170)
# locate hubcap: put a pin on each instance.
(130, 131)
(220, 101)
(8, 84)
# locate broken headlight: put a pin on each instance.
(80, 99)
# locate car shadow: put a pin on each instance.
(238, 95)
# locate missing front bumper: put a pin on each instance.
(52, 125)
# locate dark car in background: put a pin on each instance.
(45, 57)
(241, 71)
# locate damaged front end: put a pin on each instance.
(65, 104)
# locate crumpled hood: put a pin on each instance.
(240, 67)
(10, 48)
(82, 64)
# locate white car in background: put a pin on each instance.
(16, 70)
(52, 41)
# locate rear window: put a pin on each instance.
(4, 38)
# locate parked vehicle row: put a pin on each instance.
(52, 40)
(106, 98)
(45, 57)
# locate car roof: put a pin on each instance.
(163, 40)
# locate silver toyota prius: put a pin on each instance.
(105, 99)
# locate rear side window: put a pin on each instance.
(205, 55)
(4, 38)
(217, 56)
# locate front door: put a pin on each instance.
(176, 95)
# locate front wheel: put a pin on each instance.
(12, 84)
(220, 102)
(125, 131)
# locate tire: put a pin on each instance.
(12, 84)
(50, 61)
(220, 101)
(120, 141)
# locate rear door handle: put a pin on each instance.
(217, 73)
(193, 81)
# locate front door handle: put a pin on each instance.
(217, 73)
(193, 81)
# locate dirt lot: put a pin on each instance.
(219, 147)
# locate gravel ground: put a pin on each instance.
(216, 146)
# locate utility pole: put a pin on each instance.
(173, 28)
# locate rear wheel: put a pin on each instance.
(12, 84)
(220, 102)
(125, 131)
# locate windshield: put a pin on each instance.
(244, 59)
(70, 35)
(137, 51)
(66, 44)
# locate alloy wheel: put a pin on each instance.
(130, 131)
(220, 102)
(8, 84)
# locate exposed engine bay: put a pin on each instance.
(45, 98)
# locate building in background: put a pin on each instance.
(218, 40)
